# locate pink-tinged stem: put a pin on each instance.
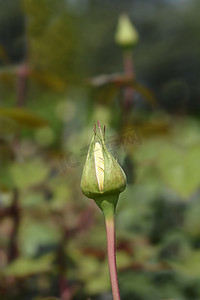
(110, 232)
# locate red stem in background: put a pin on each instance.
(110, 232)
(22, 78)
(15, 213)
(128, 64)
(128, 71)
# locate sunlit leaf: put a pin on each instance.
(190, 266)
(25, 267)
(123, 259)
(28, 173)
(180, 170)
(99, 280)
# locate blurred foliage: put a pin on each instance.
(22, 117)
(52, 239)
(53, 30)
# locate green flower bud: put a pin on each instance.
(102, 175)
(126, 34)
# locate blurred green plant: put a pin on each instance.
(48, 244)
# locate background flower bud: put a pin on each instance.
(126, 34)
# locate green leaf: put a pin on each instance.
(179, 169)
(28, 173)
(135, 209)
(190, 266)
(25, 266)
(33, 235)
(62, 193)
(192, 219)
(23, 117)
(136, 284)
(90, 270)
(99, 280)
(8, 127)
(5, 179)
(44, 136)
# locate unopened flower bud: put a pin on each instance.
(126, 34)
(102, 175)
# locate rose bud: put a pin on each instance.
(126, 34)
(102, 175)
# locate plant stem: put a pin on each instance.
(110, 232)
(15, 214)
(108, 204)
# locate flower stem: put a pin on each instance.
(108, 204)
(110, 232)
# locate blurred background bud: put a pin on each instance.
(126, 34)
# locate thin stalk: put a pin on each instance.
(110, 232)
(128, 96)
(15, 213)
(108, 204)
